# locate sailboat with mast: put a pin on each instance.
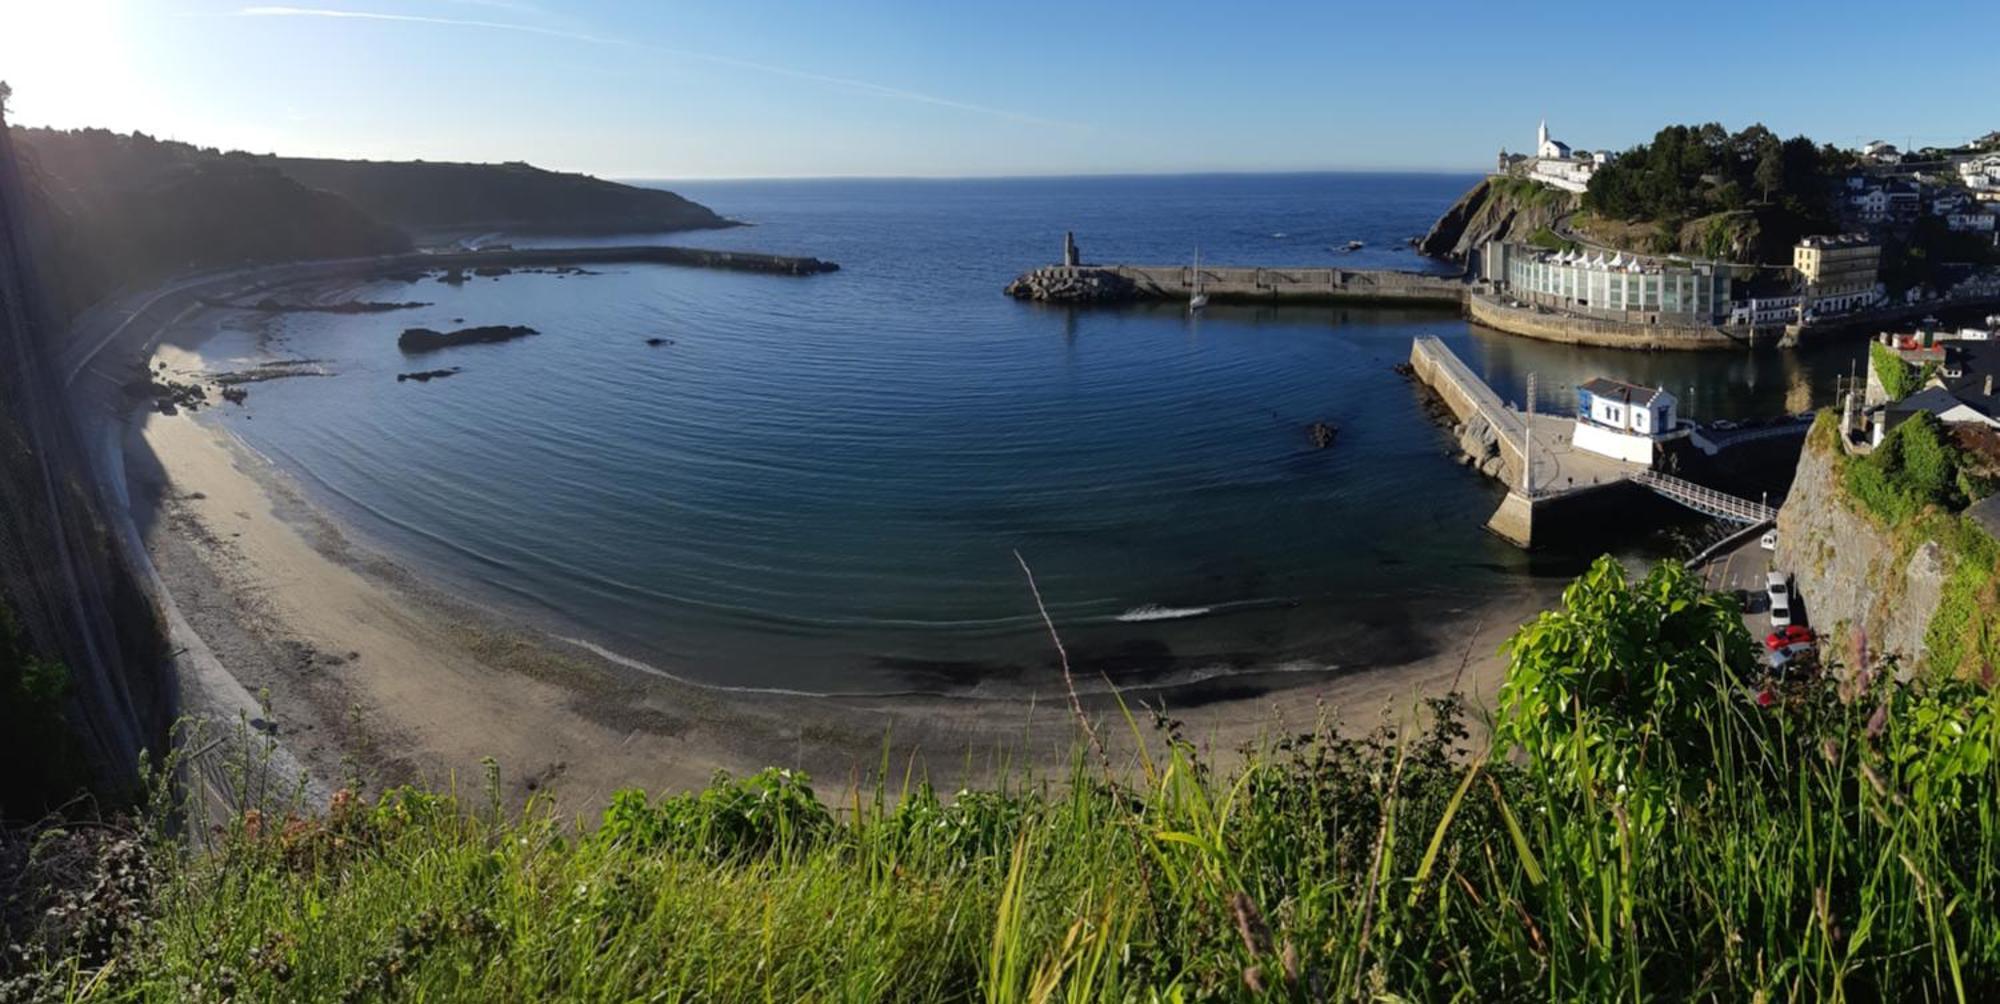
(1198, 299)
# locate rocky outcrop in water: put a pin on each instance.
(1060, 284)
(1497, 208)
(416, 340)
(426, 376)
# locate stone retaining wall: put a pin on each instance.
(1483, 309)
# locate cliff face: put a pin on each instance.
(1849, 572)
(1495, 209)
(60, 575)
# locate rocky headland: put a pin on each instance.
(1497, 208)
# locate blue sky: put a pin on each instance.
(755, 88)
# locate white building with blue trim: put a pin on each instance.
(1625, 421)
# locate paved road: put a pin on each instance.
(1745, 567)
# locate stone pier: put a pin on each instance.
(1532, 455)
(1074, 283)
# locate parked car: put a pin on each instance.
(1779, 586)
(1787, 636)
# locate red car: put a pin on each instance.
(1790, 634)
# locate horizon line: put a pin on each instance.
(625, 177)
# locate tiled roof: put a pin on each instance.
(1629, 392)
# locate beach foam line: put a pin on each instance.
(1155, 612)
(1160, 612)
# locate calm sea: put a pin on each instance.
(821, 484)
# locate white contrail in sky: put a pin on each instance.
(880, 90)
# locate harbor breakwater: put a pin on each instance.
(1082, 284)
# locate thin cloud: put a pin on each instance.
(862, 86)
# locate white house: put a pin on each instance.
(1871, 205)
(1624, 421)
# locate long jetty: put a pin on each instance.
(1075, 282)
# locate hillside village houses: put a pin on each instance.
(1832, 276)
(1881, 153)
(1981, 173)
(1964, 368)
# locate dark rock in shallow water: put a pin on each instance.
(455, 277)
(426, 376)
(1322, 434)
(416, 340)
(235, 395)
(494, 271)
(656, 342)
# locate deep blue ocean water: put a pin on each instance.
(821, 484)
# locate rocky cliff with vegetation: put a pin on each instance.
(1707, 192)
(1882, 553)
(128, 210)
(513, 197)
(124, 211)
(1498, 208)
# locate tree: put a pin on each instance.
(1770, 173)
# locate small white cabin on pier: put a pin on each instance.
(1624, 421)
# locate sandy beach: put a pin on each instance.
(366, 672)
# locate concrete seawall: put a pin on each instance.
(1125, 283)
(1483, 309)
(1295, 284)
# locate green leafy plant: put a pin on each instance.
(1620, 668)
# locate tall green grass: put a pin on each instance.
(1652, 822)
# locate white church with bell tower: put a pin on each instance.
(1554, 164)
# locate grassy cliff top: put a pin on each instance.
(1649, 821)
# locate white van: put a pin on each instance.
(1779, 585)
(1770, 540)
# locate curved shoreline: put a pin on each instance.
(444, 682)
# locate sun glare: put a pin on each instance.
(66, 61)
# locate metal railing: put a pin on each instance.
(1704, 499)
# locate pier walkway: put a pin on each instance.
(1539, 462)
(1705, 500)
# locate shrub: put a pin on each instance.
(35, 743)
(1620, 667)
(770, 810)
(1914, 467)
